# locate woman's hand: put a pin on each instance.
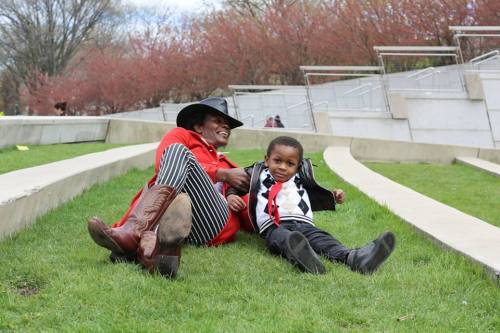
(236, 178)
(339, 196)
(235, 203)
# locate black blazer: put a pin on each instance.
(321, 198)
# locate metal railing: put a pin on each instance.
(254, 104)
(478, 63)
(440, 80)
(420, 72)
(472, 32)
(351, 88)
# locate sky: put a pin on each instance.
(191, 6)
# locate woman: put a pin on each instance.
(184, 200)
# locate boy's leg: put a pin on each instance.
(365, 260)
(324, 243)
(293, 246)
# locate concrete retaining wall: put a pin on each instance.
(136, 131)
(449, 120)
(49, 130)
(409, 152)
(446, 119)
(377, 125)
(132, 131)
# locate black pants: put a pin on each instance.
(321, 242)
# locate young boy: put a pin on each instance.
(282, 196)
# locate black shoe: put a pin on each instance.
(367, 259)
(302, 255)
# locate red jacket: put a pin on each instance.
(210, 160)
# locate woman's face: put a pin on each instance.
(215, 130)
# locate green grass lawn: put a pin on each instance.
(465, 188)
(54, 278)
(12, 159)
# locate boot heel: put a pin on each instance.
(167, 266)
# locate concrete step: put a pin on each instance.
(461, 232)
(478, 163)
(29, 193)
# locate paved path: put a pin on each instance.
(461, 232)
(29, 193)
(487, 166)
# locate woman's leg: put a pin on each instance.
(180, 169)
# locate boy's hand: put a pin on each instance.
(339, 196)
(235, 203)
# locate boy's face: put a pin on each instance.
(283, 162)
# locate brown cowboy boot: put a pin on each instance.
(124, 240)
(161, 251)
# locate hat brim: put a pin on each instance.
(187, 112)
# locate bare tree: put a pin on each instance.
(255, 8)
(41, 36)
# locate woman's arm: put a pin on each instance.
(236, 177)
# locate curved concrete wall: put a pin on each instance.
(48, 130)
(133, 131)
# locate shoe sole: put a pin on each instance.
(383, 248)
(175, 224)
(307, 260)
(173, 229)
(102, 239)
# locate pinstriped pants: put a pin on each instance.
(180, 169)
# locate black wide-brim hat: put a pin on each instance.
(213, 105)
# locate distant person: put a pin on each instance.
(281, 197)
(277, 122)
(269, 122)
(60, 109)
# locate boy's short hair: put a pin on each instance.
(285, 141)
